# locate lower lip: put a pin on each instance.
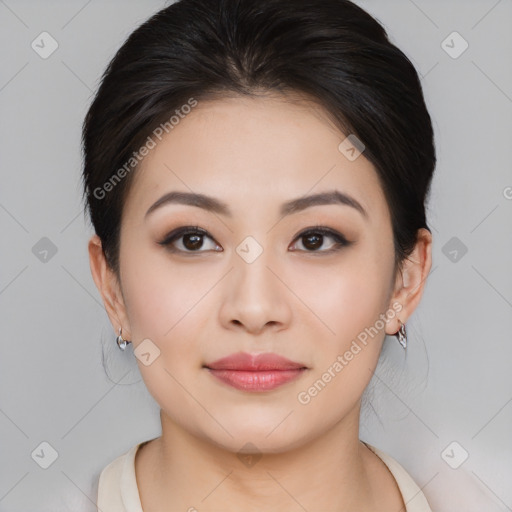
(256, 381)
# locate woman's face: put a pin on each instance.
(257, 275)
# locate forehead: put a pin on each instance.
(253, 150)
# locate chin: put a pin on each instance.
(258, 438)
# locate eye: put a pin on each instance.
(314, 238)
(190, 239)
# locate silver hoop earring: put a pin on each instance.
(121, 343)
(402, 335)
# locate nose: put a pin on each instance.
(256, 297)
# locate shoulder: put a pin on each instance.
(414, 499)
(117, 486)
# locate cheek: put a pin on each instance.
(345, 359)
(351, 300)
(165, 306)
(344, 298)
(171, 306)
(160, 297)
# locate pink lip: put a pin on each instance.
(260, 372)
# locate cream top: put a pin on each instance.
(118, 491)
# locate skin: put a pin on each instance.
(254, 154)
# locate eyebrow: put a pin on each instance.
(293, 206)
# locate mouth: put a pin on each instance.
(260, 372)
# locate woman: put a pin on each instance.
(256, 174)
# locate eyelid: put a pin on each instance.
(321, 228)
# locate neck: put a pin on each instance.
(326, 473)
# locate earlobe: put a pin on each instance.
(106, 282)
(411, 279)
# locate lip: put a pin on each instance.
(258, 372)
(242, 361)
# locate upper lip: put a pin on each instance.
(243, 361)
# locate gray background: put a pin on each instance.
(454, 384)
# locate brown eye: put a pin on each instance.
(188, 239)
(314, 239)
(192, 242)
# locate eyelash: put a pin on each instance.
(340, 240)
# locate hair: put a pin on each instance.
(331, 51)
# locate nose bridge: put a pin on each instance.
(257, 297)
(251, 261)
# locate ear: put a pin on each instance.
(109, 287)
(411, 279)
